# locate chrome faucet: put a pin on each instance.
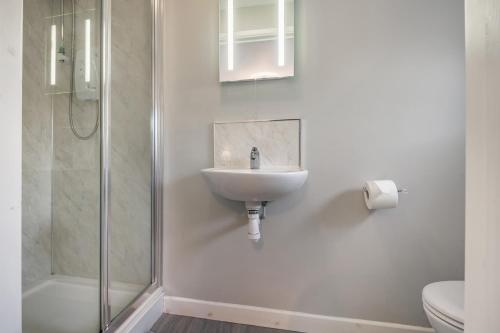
(254, 158)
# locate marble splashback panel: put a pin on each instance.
(278, 142)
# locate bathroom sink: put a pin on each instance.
(254, 185)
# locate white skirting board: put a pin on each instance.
(286, 320)
(146, 315)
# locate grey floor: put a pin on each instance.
(179, 324)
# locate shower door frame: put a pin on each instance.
(107, 323)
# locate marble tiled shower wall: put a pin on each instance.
(37, 147)
(278, 142)
(131, 97)
(76, 166)
(61, 174)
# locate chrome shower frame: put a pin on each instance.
(109, 324)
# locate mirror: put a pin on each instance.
(256, 39)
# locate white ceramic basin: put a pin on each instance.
(254, 185)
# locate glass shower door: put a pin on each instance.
(130, 152)
(61, 166)
(90, 146)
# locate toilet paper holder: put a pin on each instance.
(382, 194)
(403, 190)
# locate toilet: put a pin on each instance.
(444, 306)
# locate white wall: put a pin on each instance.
(482, 269)
(380, 84)
(10, 164)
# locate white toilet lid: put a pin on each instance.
(447, 298)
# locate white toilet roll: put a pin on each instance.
(380, 194)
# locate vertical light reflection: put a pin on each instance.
(230, 35)
(281, 33)
(53, 46)
(87, 50)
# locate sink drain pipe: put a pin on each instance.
(253, 210)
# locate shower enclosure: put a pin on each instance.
(91, 163)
